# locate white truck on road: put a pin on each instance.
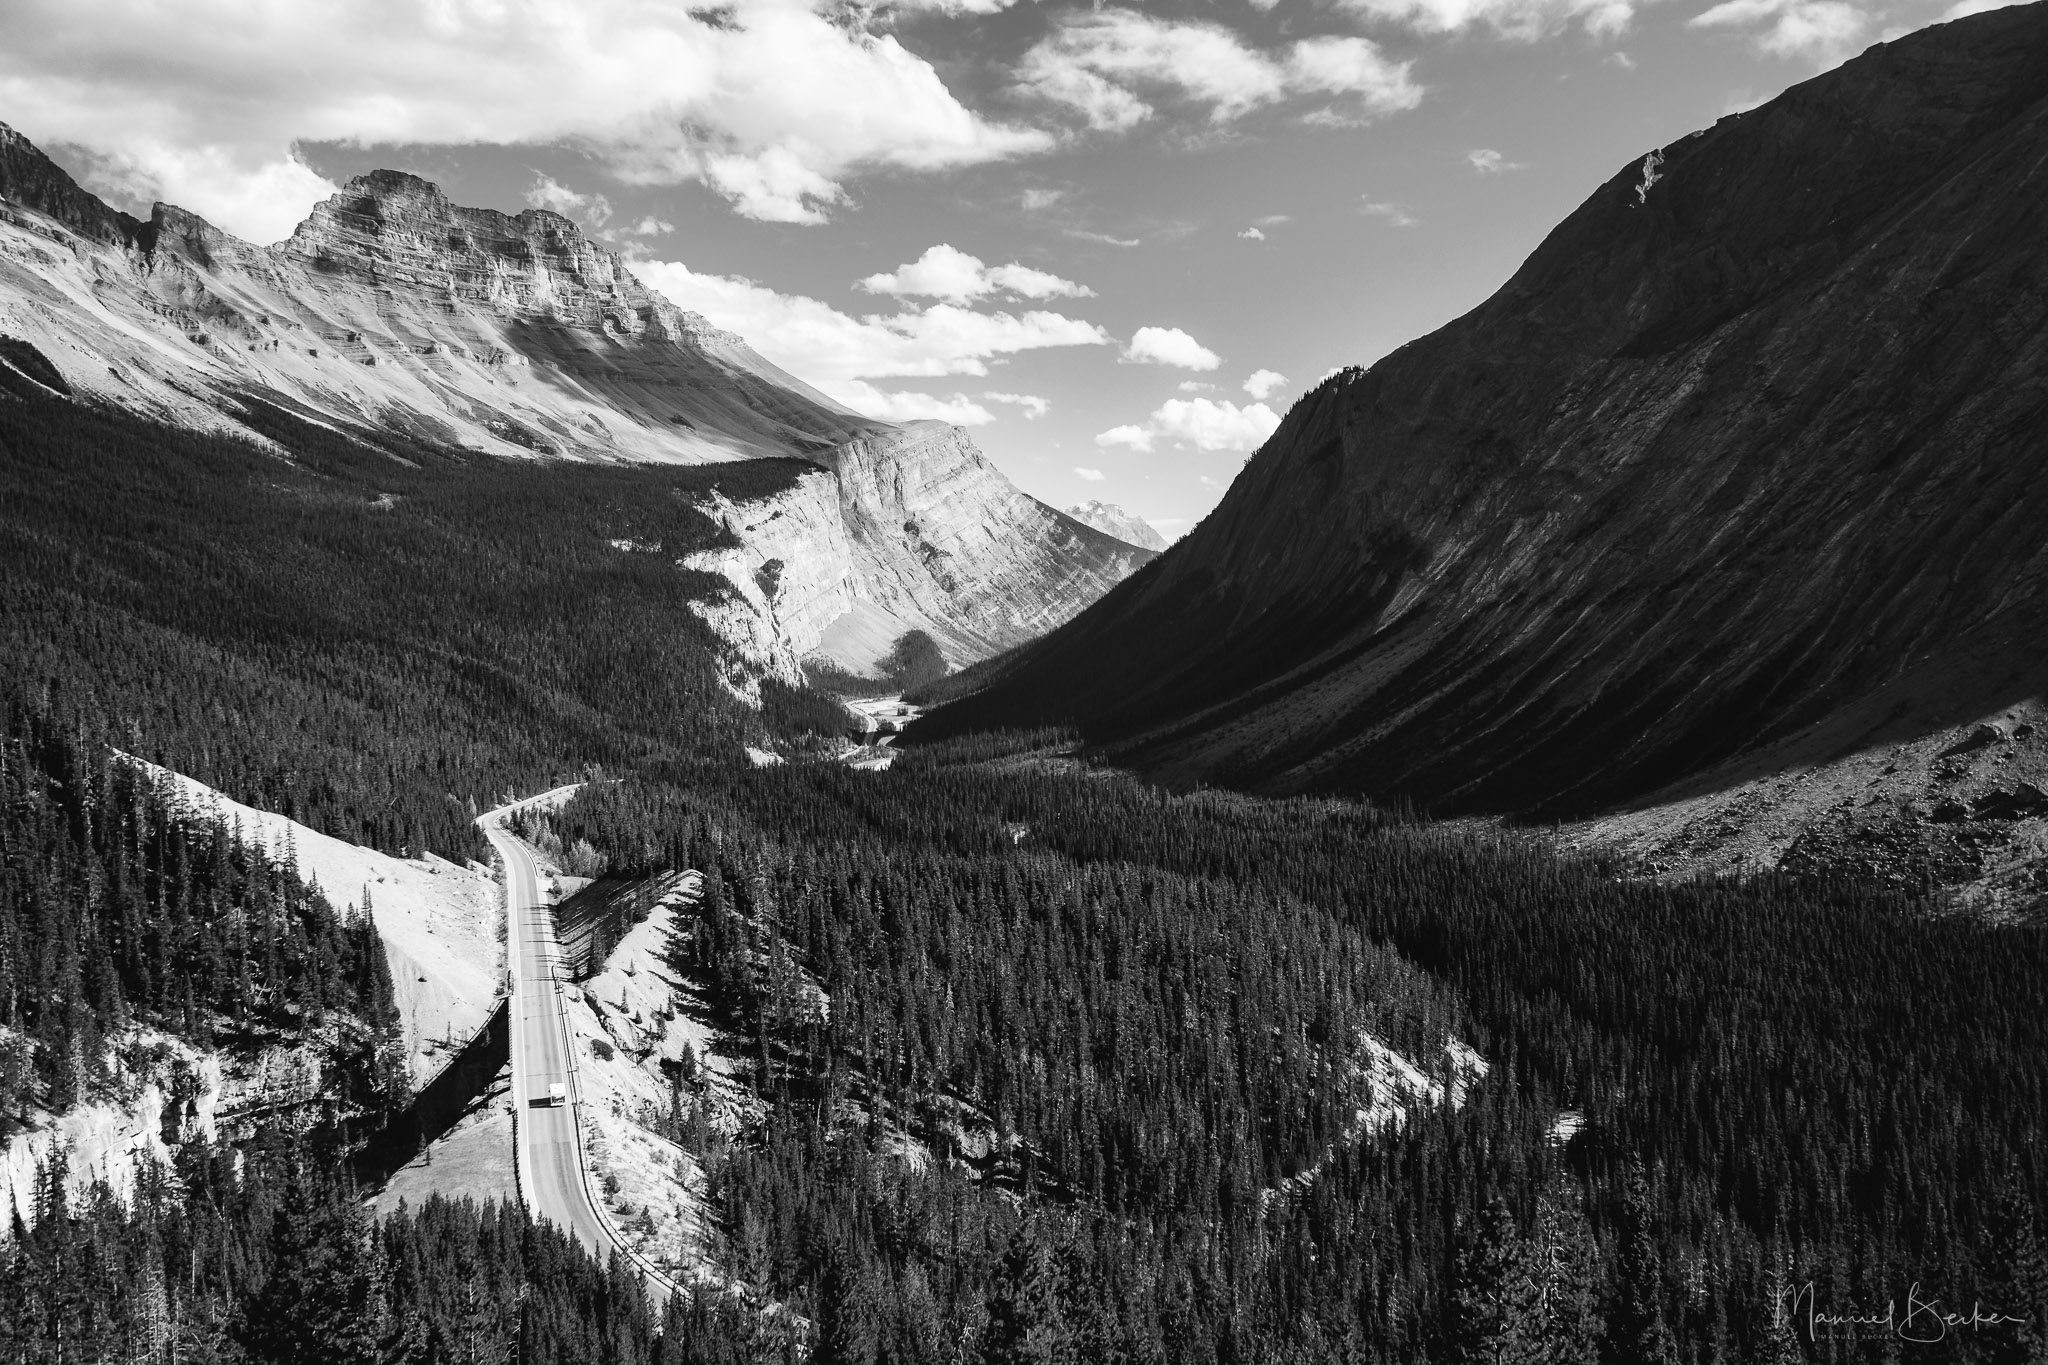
(558, 1095)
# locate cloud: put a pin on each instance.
(1169, 346)
(1032, 405)
(1135, 438)
(1102, 237)
(1526, 20)
(1265, 383)
(772, 103)
(1970, 7)
(592, 210)
(1487, 161)
(1252, 234)
(1110, 66)
(1194, 386)
(1092, 475)
(1820, 31)
(839, 353)
(900, 405)
(1035, 201)
(1395, 214)
(944, 272)
(1202, 423)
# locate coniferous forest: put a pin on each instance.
(1052, 1065)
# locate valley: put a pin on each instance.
(529, 832)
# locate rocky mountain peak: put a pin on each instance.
(33, 181)
(1113, 520)
(394, 229)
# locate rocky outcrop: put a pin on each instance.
(1110, 519)
(913, 530)
(397, 316)
(1747, 455)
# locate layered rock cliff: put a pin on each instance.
(392, 312)
(912, 530)
(1744, 463)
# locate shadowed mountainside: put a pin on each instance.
(1748, 452)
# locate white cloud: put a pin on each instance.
(1036, 200)
(202, 102)
(1252, 234)
(1135, 438)
(1487, 161)
(1110, 65)
(1194, 386)
(1202, 423)
(1526, 20)
(901, 405)
(1970, 7)
(1170, 346)
(1031, 404)
(1396, 215)
(839, 352)
(1820, 31)
(1102, 237)
(1092, 475)
(592, 210)
(945, 272)
(1265, 383)
(650, 226)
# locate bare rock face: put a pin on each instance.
(1113, 520)
(910, 530)
(1745, 460)
(391, 310)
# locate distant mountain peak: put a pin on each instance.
(1113, 520)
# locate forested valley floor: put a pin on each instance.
(1054, 1066)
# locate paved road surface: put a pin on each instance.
(540, 1053)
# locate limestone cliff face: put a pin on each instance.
(910, 530)
(393, 312)
(1749, 450)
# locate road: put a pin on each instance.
(550, 1158)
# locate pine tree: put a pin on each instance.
(1026, 1325)
(846, 1312)
(1638, 1332)
(1497, 1300)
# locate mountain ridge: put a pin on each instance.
(407, 321)
(1740, 446)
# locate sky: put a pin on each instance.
(1115, 242)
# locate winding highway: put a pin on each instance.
(550, 1158)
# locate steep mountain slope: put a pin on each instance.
(402, 319)
(1108, 517)
(1748, 453)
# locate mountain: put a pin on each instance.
(1743, 465)
(393, 314)
(1113, 520)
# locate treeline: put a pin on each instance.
(1781, 1082)
(257, 1256)
(120, 906)
(370, 636)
